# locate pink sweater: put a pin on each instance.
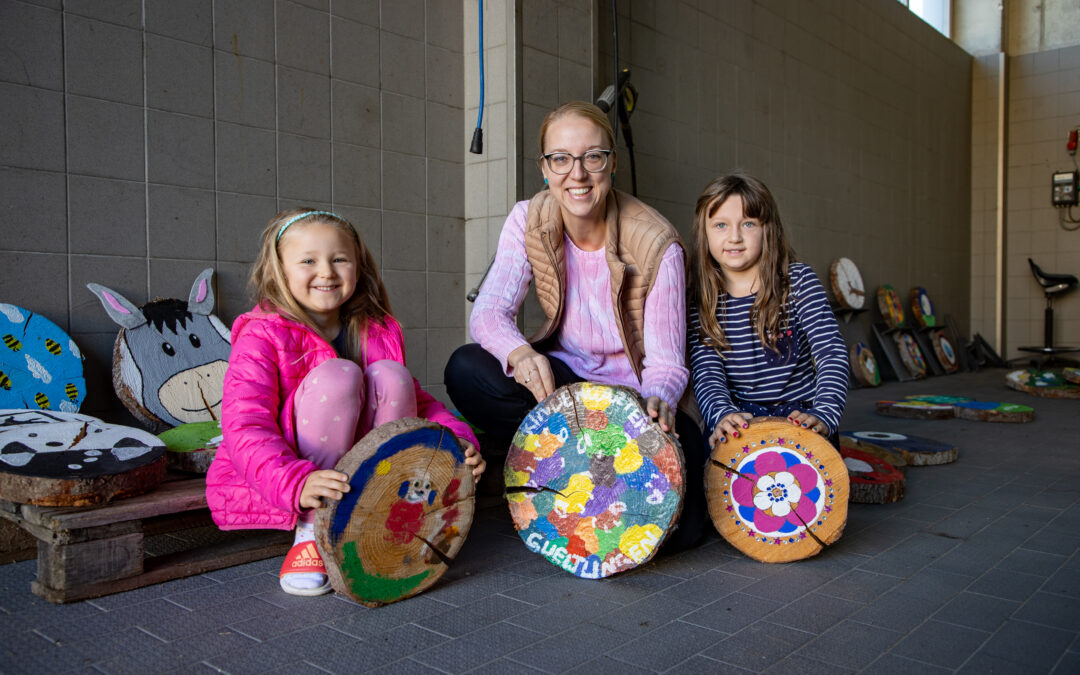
(588, 338)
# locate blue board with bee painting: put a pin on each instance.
(40, 366)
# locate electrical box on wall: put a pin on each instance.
(1064, 188)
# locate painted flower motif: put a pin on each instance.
(776, 492)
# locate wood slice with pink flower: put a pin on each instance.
(593, 483)
(779, 493)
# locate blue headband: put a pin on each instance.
(303, 215)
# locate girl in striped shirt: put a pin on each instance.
(762, 337)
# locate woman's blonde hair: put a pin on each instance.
(268, 285)
(706, 281)
(581, 109)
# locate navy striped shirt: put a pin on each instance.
(811, 368)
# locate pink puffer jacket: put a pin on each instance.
(256, 476)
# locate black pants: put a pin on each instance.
(497, 404)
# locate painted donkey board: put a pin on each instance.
(170, 357)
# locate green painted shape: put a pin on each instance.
(607, 441)
(191, 436)
(372, 587)
(608, 541)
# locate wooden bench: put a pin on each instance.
(88, 552)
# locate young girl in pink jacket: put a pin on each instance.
(315, 365)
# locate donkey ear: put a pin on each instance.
(431, 497)
(119, 308)
(404, 489)
(201, 299)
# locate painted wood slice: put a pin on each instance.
(1071, 375)
(994, 411)
(922, 310)
(594, 485)
(938, 398)
(1045, 383)
(405, 517)
(40, 366)
(915, 450)
(889, 306)
(944, 351)
(910, 354)
(52, 458)
(847, 284)
(916, 410)
(191, 447)
(873, 480)
(779, 493)
(864, 365)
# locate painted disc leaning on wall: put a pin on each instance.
(1045, 383)
(594, 485)
(910, 354)
(916, 410)
(864, 365)
(911, 450)
(847, 284)
(779, 493)
(1071, 375)
(40, 366)
(873, 480)
(922, 310)
(52, 458)
(994, 411)
(889, 306)
(944, 351)
(405, 517)
(191, 447)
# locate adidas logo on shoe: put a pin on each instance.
(308, 557)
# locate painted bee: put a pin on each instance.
(42, 400)
(72, 391)
(53, 346)
(12, 343)
(5, 381)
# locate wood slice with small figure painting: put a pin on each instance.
(779, 493)
(873, 480)
(51, 458)
(863, 365)
(1045, 383)
(994, 411)
(914, 450)
(847, 284)
(191, 447)
(593, 483)
(915, 410)
(944, 351)
(405, 517)
(892, 312)
(910, 354)
(922, 310)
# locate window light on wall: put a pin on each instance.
(934, 12)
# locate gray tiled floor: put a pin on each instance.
(975, 571)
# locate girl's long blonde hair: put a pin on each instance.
(706, 281)
(268, 285)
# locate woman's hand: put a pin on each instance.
(664, 414)
(808, 421)
(323, 483)
(532, 371)
(729, 425)
(473, 459)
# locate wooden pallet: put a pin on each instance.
(93, 551)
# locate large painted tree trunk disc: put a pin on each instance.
(901, 449)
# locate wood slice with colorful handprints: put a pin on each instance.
(873, 480)
(944, 351)
(40, 366)
(1045, 383)
(914, 450)
(922, 310)
(910, 354)
(915, 410)
(864, 365)
(779, 493)
(594, 484)
(1071, 375)
(53, 458)
(889, 305)
(847, 284)
(409, 507)
(191, 447)
(994, 411)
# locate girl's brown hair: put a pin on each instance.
(707, 277)
(369, 302)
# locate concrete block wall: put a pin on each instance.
(147, 140)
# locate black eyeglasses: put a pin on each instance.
(594, 161)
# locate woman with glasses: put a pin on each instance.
(609, 275)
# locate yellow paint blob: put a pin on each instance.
(628, 458)
(639, 541)
(595, 397)
(577, 493)
(383, 467)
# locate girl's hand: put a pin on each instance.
(808, 421)
(729, 425)
(473, 459)
(323, 483)
(532, 371)
(664, 414)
